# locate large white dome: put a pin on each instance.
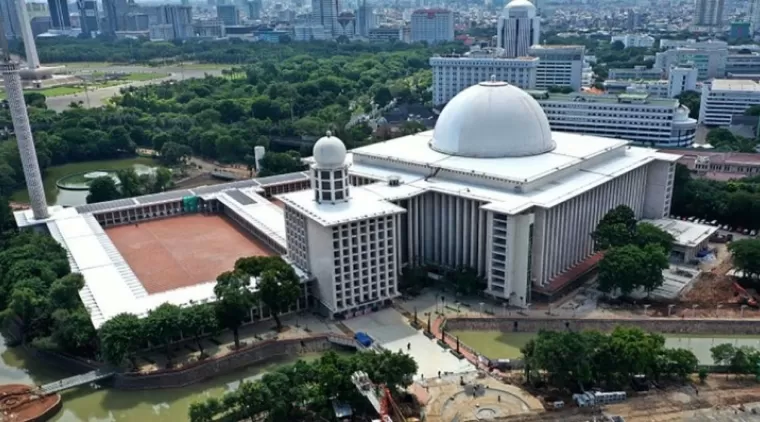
(329, 152)
(491, 120)
(521, 6)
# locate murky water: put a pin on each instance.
(497, 344)
(91, 404)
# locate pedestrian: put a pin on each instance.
(498, 398)
(422, 376)
(439, 374)
(409, 346)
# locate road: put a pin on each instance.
(99, 96)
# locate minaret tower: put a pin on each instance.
(17, 105)
(329, 174)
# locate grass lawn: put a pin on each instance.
(494, 344)
(84, 64)
(55, 91)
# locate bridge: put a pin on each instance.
(76, 381)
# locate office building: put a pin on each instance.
(386, 34)
(432, 26)
(740, 31)
(180, 18)
(724, 98)
(709, 13)
(634, 40)
(365, 19)
(309, 32)
(88, 16)
(209, 28)
(637, 72)
(633, 117)
(710, 62)
(558, 65)
(754, 15)
(325, 13)
(116, 12)
(454, 73)
(59, 13)
(680, 79)
(254, 9)
(228, 14)
(11, 25)
(518, 28)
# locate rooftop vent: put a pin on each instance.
(394, 181)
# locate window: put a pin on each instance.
(338, 195)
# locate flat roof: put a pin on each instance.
(257, 211)
(734, 85)
(686, 233)
(637, 99)
(364, 204)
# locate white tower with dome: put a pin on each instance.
(491, 188)
(519, 28)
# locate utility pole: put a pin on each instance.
(20, 118)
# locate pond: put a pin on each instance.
(74, 172)
(501, 345)
(102, 404)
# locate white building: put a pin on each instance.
(325, 13)
(432, 26)
(453, 73)
(634, 117)
(634, 40)
(692, 43)
(638, 72)
(518, 28)
(492, 188)
(709, 13)
(386, 34)
(723, 98)
(754, 15)
(558, 65)
(680, 79)
(710, 62)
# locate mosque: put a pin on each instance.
(490, 188)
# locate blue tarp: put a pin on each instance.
(363, 338)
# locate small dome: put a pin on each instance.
(492, 120)
(520, 6)
(329, 151)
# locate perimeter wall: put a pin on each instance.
(665, 326)
(258, 352)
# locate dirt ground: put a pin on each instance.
(183, 251)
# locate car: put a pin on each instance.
(753, 233)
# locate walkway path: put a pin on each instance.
(76, 381)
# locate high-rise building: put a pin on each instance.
(709, 13)
(453, 73)
(365, 19)
(116, 12)
(518, 28)
(558, 65)
(88, 16)
(9, 12)
(228, 14)
(180, 18)
(59, 12)
(754, 15)
(254, 9)
(325, 13)
(432, 26)
(723, 98)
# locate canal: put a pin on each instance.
(65, 197)
(501, 345)
(89, 404)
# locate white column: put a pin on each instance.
(32, 59)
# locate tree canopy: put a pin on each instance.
(746, 256)
(568, 359)
(307, 389)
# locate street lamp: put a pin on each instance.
(694, 310)
(504, 304)
(481, 308)
(717, 307)
(527, 307)
(670, 309)
(549, 311)
(741, 314)
(646, 307)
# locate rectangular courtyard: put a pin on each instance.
(178, 252)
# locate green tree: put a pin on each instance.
(746, 256)
(275, 163)
(64, 292)
(690, 99)
(234, 302)
(163, 326)
(278, 285)
(629, 267)
(173, 153)
(130, 184)
(722, 354)
(702, 375)
(647, 233)
(73, 331)
(383, 97)
(103, 189)
(121, 337)
(35, 99)
(199, 320)
(466, 281)
(615, 228)
(752, 111)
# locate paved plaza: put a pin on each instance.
(391, 330)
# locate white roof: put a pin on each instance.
(686, 233)
(493, 119)
(364, 203)
(571, 150)
(260, 213)
(329, 151)
(734, 85)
